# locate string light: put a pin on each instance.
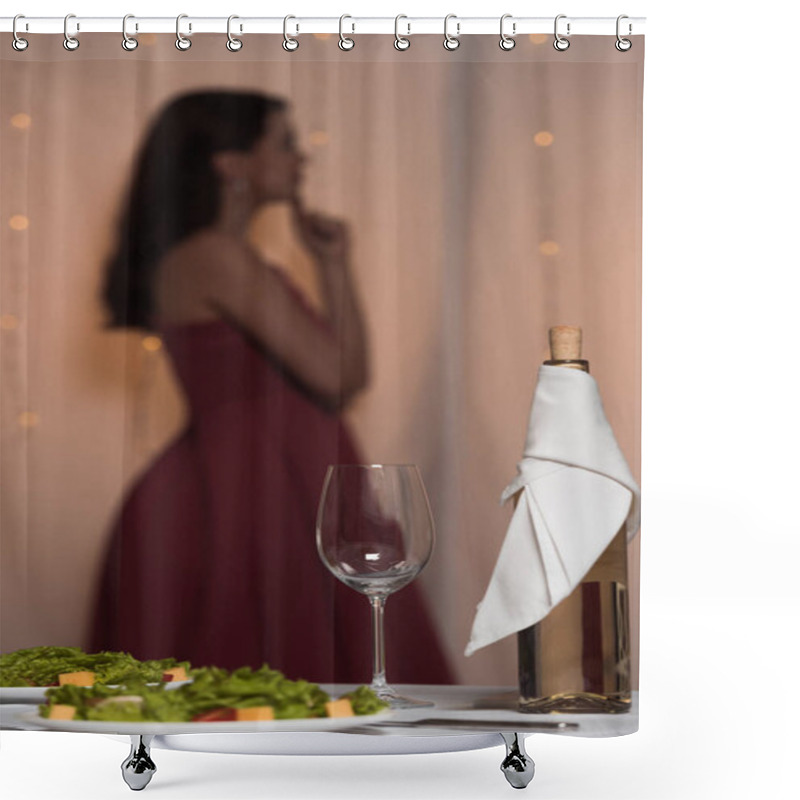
(18, 222)
(8, 322)
(21, 121)
(543, 139)
(319, 138)
(549, 248)
(151, 343)
(28, 419)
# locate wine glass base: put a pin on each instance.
(390, 696)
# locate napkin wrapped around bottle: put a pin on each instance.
(575, 493)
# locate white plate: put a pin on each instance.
(329, 743)
(169, 728)
(35, 694)
(23, 694)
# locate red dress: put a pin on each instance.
(213, 557)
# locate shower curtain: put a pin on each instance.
(478, 197)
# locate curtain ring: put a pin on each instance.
(128, 42)
(344, 42)
(181, 42)
(451, 42)
(233, 44)
(70, 42)
(506, 41)
(623, 45)
(290, 43)
(18, 43)
(560, 43)
(400, 42)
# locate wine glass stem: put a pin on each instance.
(378, 650)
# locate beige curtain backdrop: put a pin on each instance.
(491, 194)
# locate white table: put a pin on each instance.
(463, 718)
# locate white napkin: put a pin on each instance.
(576, 491)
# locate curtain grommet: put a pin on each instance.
(17, 42)
(560, 42)
(129, 43)
(401, 43)
(346, 43)
(507, 41)
(233, 44)
(290, 43)
(181, 42)
(71, 43)
(451, 42)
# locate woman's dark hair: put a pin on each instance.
(175, 190)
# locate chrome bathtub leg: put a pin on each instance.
(138, 768)
(517, 766)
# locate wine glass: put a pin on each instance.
(375, 534)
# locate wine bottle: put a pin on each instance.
(577, 659)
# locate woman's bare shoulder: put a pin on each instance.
(207, 252)
(203, 248)
(207, 264)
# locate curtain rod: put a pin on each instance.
(592, 26)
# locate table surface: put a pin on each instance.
(464, 709)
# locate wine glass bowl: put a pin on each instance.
(372, 569)
(375, 533)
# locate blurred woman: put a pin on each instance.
(213, 556)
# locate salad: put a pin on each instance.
(52, 666)
(214, 695)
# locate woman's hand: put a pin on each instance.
(327, 239)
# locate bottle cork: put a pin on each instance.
(565, 343)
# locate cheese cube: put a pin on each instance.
(254, 714)
(76, 679)
(339, 708)
(62, 712)
(174, 674)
